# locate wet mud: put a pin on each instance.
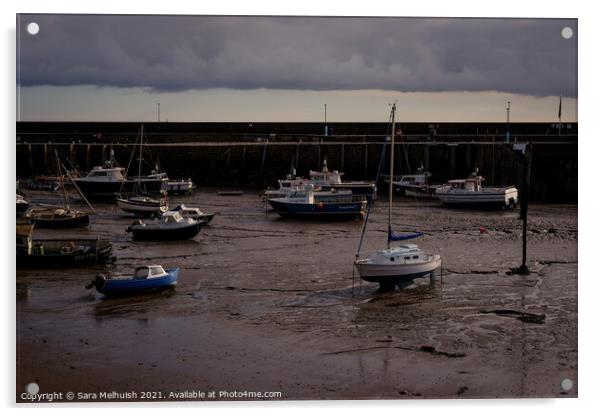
(267, 304)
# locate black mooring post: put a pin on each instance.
(524, 206)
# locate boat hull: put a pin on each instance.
(140, 208)
(53, 253)
(132, 287)
(74, 222)
(337, 210)
(397, 274)
(151, 233)
(492, 198)
(179, 187)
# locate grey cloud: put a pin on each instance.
(174, 53)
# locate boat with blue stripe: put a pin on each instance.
(307, 202)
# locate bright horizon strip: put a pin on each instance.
(91, 103)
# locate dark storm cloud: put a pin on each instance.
(175, 53)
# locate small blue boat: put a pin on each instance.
(145, 279)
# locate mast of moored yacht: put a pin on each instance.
(140, 154)
(391, 162)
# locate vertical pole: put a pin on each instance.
(342, 156)
(523, 269)
(158, 112)
(452, 161)
(508, 123)
(244, 156)
(297, 155)
(391, 163)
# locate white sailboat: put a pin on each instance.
(396, 266)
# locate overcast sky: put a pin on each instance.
(86, 67)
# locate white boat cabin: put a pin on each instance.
(471, 184)
(171, 217)
(101, 174)
(149, 272)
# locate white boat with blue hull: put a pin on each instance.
(319, 204)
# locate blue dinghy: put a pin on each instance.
(145, 279)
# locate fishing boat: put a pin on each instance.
(179, 186)
(171, 226)
(307, 202)
(22, 204)
(470, 192)
(324, 180)
(328, 180)
(141, 205)
(145, 279)
(395, 266)
(64, 252)
(194, 213)
(107, 180)
(59, 217)
(417, 185)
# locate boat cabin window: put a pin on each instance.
(407, 257)
(415, 257)
(141, 273)
(392, 258)
(285, 185)
(155, 271)
(98, 173)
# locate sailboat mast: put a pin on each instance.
(58, 166)
(140, 154)
(391, 162)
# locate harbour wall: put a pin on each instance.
(258, 164)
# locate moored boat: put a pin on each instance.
(395, 266)
(194, 213)
(64, 252)
(140, 205)
(58, 218)
(470, 192)
(145, 279)
(171, 226)
(179, 186)
(309, 203)
(417, 185)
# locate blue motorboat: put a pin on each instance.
(309, 203)
(145, 279)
